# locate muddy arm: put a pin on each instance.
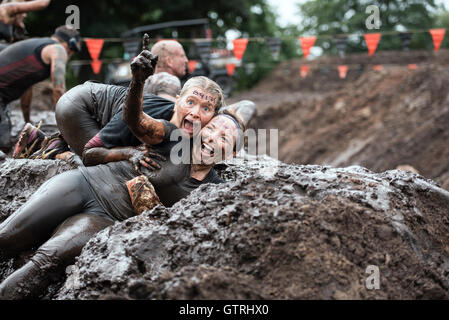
(145, 128)
(140, 156)
(57, 57)
(94, 156)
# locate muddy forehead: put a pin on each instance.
(225, 124)
(204, 95)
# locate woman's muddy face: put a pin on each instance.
(195, 106)
(217, 142)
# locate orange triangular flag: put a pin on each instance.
(230, 67)
(413, 66)
(191, 65)
(304, 70)
(94, 47)
(96, 66)
(437, 36)
(240, 47)
(372, 40)
(377, 67)
(342, 71)
(306, 44)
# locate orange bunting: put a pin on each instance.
(304, 71)
(342, 71)
(306, 44)
(437, 36)
(191, 65)
(378, 67)
(372, 40)
(94, 47)
(96, 66)
(230, 67)
(240, 47)
(412, 66)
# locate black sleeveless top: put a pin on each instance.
(21, 66)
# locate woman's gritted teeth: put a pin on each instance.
(207, 149)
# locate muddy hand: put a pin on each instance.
(144, 64)
(146, 158)
(146, 47)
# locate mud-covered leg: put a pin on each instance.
(31, 280)
(56, 200)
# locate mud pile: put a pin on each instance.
(277, 231)
(376, 119)
(19, 179)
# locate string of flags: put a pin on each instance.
(372, 40)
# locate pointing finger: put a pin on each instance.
(146, 42)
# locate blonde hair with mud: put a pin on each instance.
(208, 85)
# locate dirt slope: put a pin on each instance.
(376, 119)
(295, 232)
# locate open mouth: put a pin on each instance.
(207, 150)
(188, 126)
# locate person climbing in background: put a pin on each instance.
(163, 85)
(72, 207)
(171, 58)
(27, 62)
(12, 29)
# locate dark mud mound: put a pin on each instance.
(19, 179)
(375, 119)
(277, 232)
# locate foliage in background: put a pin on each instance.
(252, 18)
(348, 17)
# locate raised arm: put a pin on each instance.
(145, 128)
(9, 10)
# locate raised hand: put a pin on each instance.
(144, 64)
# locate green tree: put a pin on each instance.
(349, 17)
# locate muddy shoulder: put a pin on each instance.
(272, 231)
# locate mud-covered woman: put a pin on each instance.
(70, 208)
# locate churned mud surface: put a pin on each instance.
(376, 119)
(273, 231)
(277, 231)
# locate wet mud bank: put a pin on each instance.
(277, 231)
